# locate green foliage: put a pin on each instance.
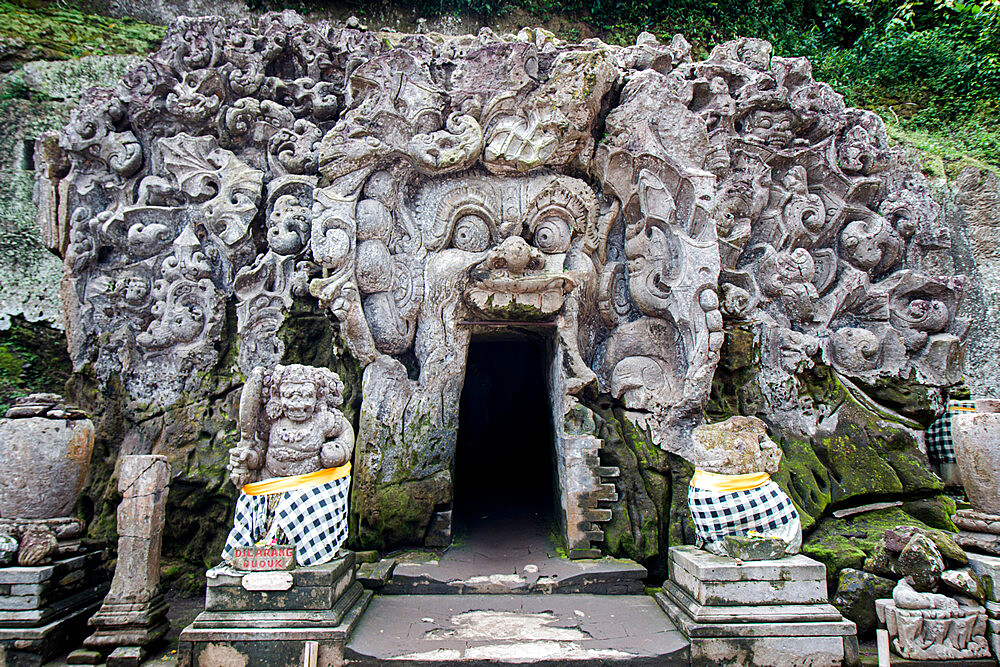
(58, 31)
(33, 359)
(930, 68)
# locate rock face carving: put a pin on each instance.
(931, 626)
(633, 198)
(731, 492)
(293, 463)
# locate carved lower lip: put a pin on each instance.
(524, 284)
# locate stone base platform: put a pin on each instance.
(770, 612)
(300, 617)
(584, 630)
(44, 609)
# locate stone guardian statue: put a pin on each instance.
(292, 464)
(731, 492)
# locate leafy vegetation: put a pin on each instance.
(57, 31)
(33, 358)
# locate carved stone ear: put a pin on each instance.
(335, 387)
(271, 394)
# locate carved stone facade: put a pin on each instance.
(416, 187)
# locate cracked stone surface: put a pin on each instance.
(510, 555)
(501, 629)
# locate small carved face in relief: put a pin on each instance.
(298, 400)
(772, 128)
(134, 289)
(181, 323)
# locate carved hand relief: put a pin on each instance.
(410, 186)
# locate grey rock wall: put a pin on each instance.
(974, 216)
(35, 99)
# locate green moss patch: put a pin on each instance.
(57, 32)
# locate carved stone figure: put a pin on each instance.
(931, 626)
(293, 463)
(414, 187)
(731, 492)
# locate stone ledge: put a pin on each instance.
(298, 597)
(709, 567)
(763, 613)
(752, 591)
(696, 630)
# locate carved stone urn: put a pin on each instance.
(976, 438)
(46, 455)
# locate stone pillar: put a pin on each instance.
(977, 452)
(988, 569)
(133, 613)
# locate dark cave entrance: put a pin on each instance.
(504, 461)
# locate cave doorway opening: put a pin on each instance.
(505, 472)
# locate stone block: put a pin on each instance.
(755, 612)
(988, 569)
(35, 617)
(759, 613)
(773, 651)
(48, 640)
(126, 656)
(709, 567)
(751, 591)
(83, 656)
(278, 638)
(316, 575)
(237, 598)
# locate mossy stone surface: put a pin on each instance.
(847, 542)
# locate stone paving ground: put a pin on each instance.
(502, 629)
(485, 600)
(510, 553)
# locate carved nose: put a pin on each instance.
(515, 255)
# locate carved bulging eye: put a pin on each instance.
(471, 234)
(552, 236)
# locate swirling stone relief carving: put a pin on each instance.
(632, 197)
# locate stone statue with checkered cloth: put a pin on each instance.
(731, 492)
(292, 465)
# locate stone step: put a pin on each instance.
(514, 629)
(599, 576)
(376, 575)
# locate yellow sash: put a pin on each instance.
(281, 484)
(728, 483)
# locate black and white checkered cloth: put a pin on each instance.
(313, 519)
(938, 435)
(716, 515)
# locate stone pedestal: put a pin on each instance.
(44, 609)
(978, 531)
(768, 612)
(134, 613)
(297, 617)
(988, 569)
